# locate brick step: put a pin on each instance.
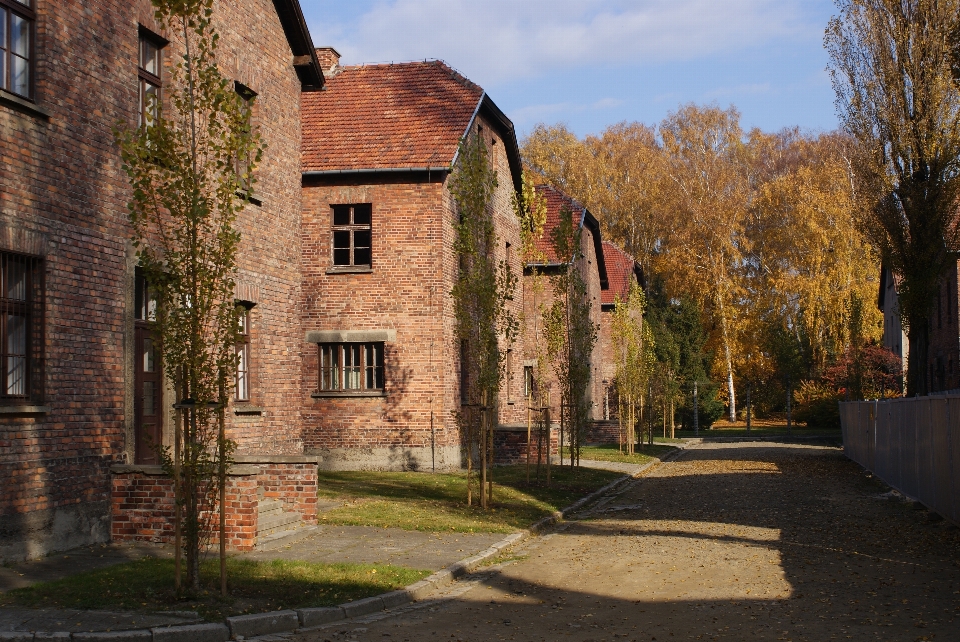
(269, 506)
(277, 522)
(280, 539)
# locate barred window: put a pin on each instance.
(21, 327)
(17, 19)
(351, 367)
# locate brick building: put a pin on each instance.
(79, 396)
(381, 365)
(591, 264)
(622, 272)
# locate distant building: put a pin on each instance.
(379, 263)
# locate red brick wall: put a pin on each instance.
(293, 484)
(142, 506)
(408, 291)
(143, 510)
(510, 445)
(63, 197)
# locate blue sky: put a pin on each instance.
(593, 63)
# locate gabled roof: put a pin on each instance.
(558, 202)
(396, 117)
(301, 44)
(622, 270)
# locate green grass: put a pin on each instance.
(437, 502)
(611, 452)
(147, 584)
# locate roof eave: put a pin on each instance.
(306, 63)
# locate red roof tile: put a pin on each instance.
(620, 272)
(557, 201)
(408, 115)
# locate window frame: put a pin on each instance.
(351, 228)
(243, 350)
(31, 308)
(333, 374)
(27, 11)
(243, 165)
(144, 77)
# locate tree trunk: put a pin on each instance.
(918, 338)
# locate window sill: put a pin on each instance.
(349, 269)
(245, 196)
(247, 409)
(22, 104)
(345, 394)
(24, 410)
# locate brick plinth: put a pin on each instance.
(510, 445)
(142, 501)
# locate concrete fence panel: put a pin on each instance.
(913, 415)
(911, 444)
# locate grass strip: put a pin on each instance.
(611, 452)
(437, 502)
(255, 586)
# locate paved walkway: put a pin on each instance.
(727, 542)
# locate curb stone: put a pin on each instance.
(211, 632)
(257, 624)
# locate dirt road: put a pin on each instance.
(729, 542)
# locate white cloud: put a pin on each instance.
(500, 40)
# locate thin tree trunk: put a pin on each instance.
(177, 497)
(547, 422)
(222, 438)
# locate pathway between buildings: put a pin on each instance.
(727, 542)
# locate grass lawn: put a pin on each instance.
(147, 584)
(611, 452)
(437, 502)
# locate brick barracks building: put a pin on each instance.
(345, 268)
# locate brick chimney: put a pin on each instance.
(329, 60)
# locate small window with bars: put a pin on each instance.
(21, 329)
(352, 235)
(351, 367)
(17, 18)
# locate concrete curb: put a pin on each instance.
(241, 627)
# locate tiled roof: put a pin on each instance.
(408, 115)
(620, 272)
(556, 201)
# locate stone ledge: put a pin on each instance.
(276, 459)
(24, 410)
(351, 336)
(157, 471)
(22, 104)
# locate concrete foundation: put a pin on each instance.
(31, 535)
(389, 458)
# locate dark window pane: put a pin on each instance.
(361, 256)
(341, 215)
(361, 238)
(341, 257)
(341, 240)
(361, 214)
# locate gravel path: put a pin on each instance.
(728, 542)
